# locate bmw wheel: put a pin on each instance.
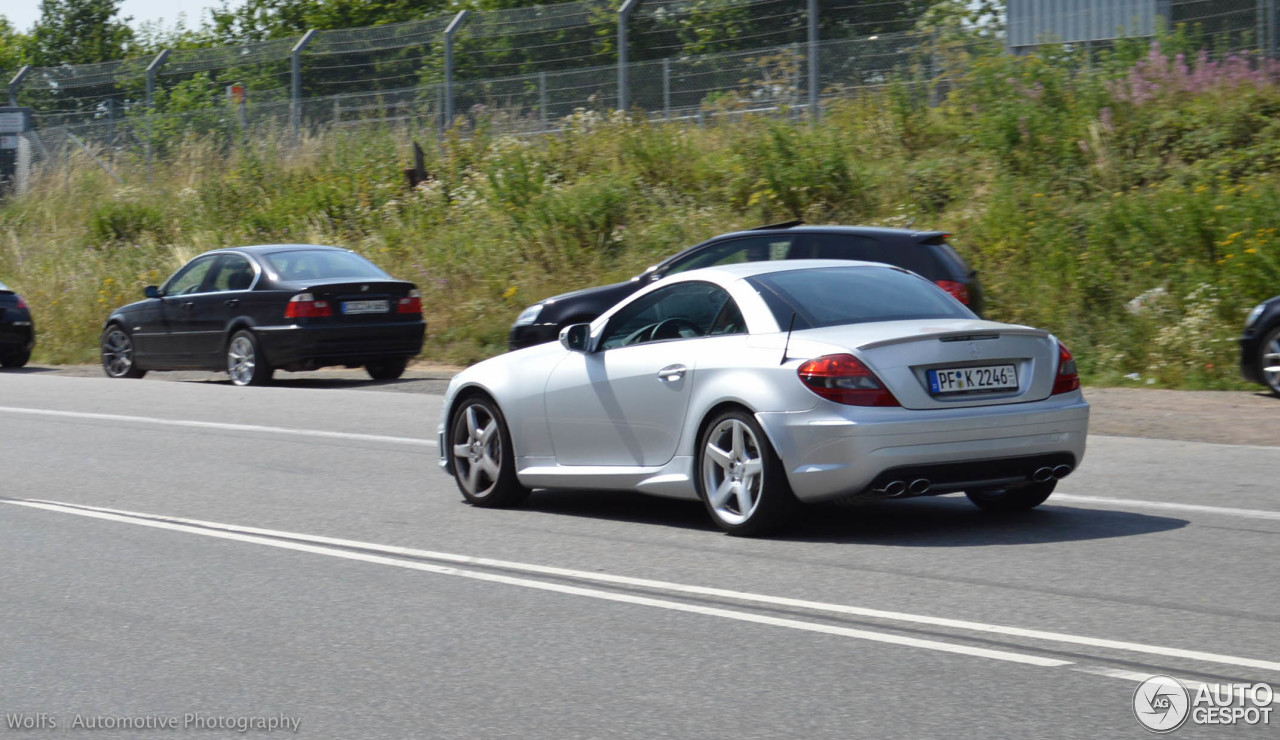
(740, 478)
(483, 464)
(16, 358)
(245, 362)
(1004, 500)
(117, 354)
(386, 369)
(1269, 360)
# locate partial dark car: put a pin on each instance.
(253, 310)
(17, 330)
(925, 253)
(1260, 345)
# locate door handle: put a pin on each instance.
(672, 372)
(233, 302)
(188, 305)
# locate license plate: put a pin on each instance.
(350, 307)
(965, 379)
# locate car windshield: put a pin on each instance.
(322, 264)
(832, 296)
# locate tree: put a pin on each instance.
(12, 45)
(79, 32)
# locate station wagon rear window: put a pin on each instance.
(833, 296)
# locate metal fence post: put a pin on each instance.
(16, 83)
(812, 12)
(448, 65)
(542, 98)
(151, 91)
(666, 88)
(295, 82)
(624, 14)
(1273, 27)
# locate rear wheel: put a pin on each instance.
(245, 362)
(483, 464)
(17, 358)
(1269, 357)
(386, 369)
(740, 478)
(117, 354)
(1022, 498)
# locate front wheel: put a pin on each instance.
(1269, 360)
(483, 463)
(1003, 500)
(245, 362)
(117, 354)
(386, 369)
(741, 479)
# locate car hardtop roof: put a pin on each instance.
(886, 231)
(270, 248)
(740, 270)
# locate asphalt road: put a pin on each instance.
(196, 553)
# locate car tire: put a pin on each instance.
(116, 350)
(1270, 345)
(386, 369)
(1005, 500)
(483, 462)
(740, 478)
(245, 362)
(15, 359)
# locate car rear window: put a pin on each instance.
(833, 296)
(915, 257)
(322, 264)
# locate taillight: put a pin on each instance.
(410, 304)
(844, 379)
(1067, 379)
(21, 303)
(958, 291)
(305, 306)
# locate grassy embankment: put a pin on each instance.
(1074, 189)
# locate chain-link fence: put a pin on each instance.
(525, 69)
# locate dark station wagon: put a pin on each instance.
(925, 253)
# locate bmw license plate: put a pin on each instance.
(350, 307)
(965, 379)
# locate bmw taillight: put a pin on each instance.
(1067, 379)
(845, 379)
(305, 306)
(958, 291)
(21, 303)
(411, 303)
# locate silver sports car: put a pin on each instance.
(756, 386)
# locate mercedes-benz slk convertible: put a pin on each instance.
(753, 387)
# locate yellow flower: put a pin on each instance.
(1250, 250)
(509, 292)
(1037, 195)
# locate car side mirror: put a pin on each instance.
(151, 291)
(575, 337)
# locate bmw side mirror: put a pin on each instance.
(575, 337)
(151, 291)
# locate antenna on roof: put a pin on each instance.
(787, 346)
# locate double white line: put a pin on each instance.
(404, 557)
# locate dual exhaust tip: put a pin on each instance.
(896, 488)
(1046, 474)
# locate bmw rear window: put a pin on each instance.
(322, 264)
(833, 296)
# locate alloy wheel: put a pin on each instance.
(117, 353)
(1271, 361)
(477, 450)
(732, 471)
(241, 360)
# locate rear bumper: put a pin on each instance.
(832, 452)
(17, 335)
(305, 347)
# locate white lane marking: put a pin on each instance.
(795, 624)
(1167, 506)
(220, 426)
(1225, 445)
(1237, 688)
(1167, 652)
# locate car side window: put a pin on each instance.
(733, 251)
(189, 279)
(234, 273)
(681, 311)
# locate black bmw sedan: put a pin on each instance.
(17, 331)
(253, 310)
